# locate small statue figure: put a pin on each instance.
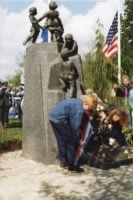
(68, 77)
(35, 29)
(70, 46)
(53, 22)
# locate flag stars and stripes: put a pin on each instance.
(111, 45)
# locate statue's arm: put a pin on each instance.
(61, 25)
(74, 47)
(33, 20)
(44, 16)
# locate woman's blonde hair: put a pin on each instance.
(125, 77)
(87, 99)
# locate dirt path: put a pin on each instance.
(23, 179)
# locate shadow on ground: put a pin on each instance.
(95, 184)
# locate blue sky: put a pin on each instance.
(76, 6)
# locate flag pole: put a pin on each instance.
(49, 1)
(49, 36)
(119, 42)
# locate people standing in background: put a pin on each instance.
(130, 101)
(2, 93)
(123, 90)
(18, 98)
(7, 104)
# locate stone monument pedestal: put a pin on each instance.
(40, 97)
(42, 92)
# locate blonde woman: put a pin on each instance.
(69, 120)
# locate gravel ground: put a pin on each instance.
(24, 179)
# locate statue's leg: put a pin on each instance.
(63, 84)
(73, 89)
(52, 37)
(59, 37)
(82, 87)
(35, 36)
(28, 38)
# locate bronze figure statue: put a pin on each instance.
(70, 46)
(68, 76)
(53, 22)
(35, 28)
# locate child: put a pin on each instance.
(68, 78)
(53, 22)
(70, 47)
(117, 119)
(35, 29)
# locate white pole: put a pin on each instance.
(119, 42)
(49, 35)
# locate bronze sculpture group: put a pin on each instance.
(53, 24)
(69, 75)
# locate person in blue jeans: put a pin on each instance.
(67, 122)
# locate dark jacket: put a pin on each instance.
(123, 91)
(2, 94)
(117, 134)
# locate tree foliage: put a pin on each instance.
(98, 71)
(15, 79)
(127, 38)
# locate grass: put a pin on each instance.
(14, 130)
(11, 135)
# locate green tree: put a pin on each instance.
(15, 79)
(127, 38)
(98, 71)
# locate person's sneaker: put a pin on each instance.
(75, 169)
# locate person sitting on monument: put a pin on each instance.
(72, 128)
(35, 29)
(53, 22)
(70, 46)
(68, 76)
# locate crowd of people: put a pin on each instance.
(11, 99)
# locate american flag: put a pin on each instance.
(110, 48)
